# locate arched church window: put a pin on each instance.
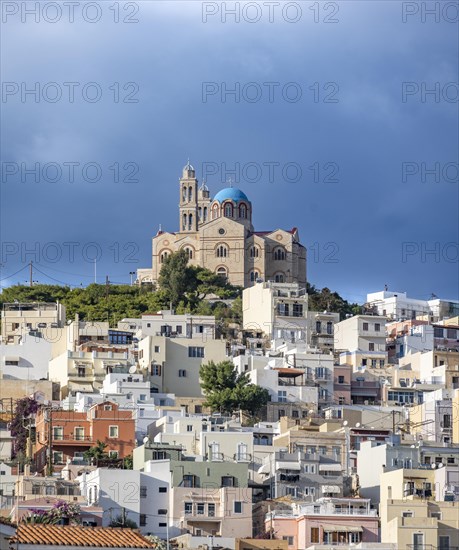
(190, 193)
(189, 252)
(223, 272)
(215, 211)
(254, 275)
(279, 253)
(243, 211)
(204, 217)
(184, 222)
(184, 194)
(228, 210)
(254, 252)
(279, 278)
(190, 222)
(222, 251)
(163, 255)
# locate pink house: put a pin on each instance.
(326, 521)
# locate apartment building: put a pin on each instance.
(205, 497)
(413, 512)
(362, 340)
(302, 475)
(68, 434)
(321, 329)
(327, 521)
(40, 319)
(85, 371)
(173, 362)
(277, 310)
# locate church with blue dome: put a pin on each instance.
(217, 233)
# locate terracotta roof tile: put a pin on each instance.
(77, 535)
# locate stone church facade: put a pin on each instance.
(217, 233)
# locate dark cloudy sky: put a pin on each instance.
(338, 90)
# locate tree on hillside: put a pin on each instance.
(96, 453)
(326, 300)
(227, 391)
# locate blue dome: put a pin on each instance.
(231, 193)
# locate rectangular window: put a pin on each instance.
(58, 457)
(188, 480)
(182, 373)
(195, 351)
(237, 507)
(365, 326)
(162, 512)
(289, 540)
(178, 329)
(227, 481)
(113, 454)
(315, 534)
(435, 515)
(113, 431)
(377, 327)
(443, 542)
(157, 349)
(211, 510)
(58, 433)
(79, 434)
(142, 519)
(282, 396)
(341, 401)
(297, 310)
(371, 346)
(200, 507)
(189, 428)
(407, 514)
(188, 507)
(295, 414)
(162, 524)
(162, 490)
(418, 541)
(155, 370)
(143, 491)
(340, 379)
(322, 450)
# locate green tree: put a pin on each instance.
(175, 277)
(96, 453)
(227, 391)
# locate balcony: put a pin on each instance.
(73, 440)
(242, 457)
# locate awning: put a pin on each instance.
(264, 469)
(330, 468)
(342, 529)
(330, 489)
(288, 466)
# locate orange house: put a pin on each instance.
(70, 433)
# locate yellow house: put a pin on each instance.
(411, 517)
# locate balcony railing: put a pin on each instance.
(72, 439)
(242, 457)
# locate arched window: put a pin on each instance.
(184, 222)
(254, 251)
(190, 193)
(243, 211)
(222, 271)
(205, 214)
(254, 275)
(184, 194)
(279, 278)
(163, 255)
(215, 211)
(228, 210)
(222, 251)
(189, 252)
(200, 213)
(190, 222)
(279, 253)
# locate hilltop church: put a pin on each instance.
(218, 234)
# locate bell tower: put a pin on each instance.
(188, 222)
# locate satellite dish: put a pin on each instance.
(133, 369)
(357, 425)
(440, 465)
(345, 423)
(433, 466)
(146, 439)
